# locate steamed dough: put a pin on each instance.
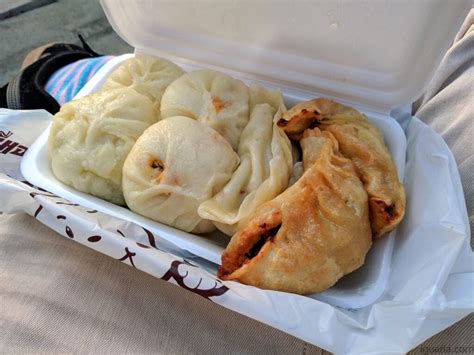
(265, 165)
(174, 166)
(91, 137)
(147, 75)
(212, 98)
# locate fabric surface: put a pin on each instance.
(58, 296)
(448, 106)
(65, 83)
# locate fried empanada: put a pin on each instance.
(309, 236)
(361, 142)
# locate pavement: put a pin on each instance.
(10, 8)
(56, 22)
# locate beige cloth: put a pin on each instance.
(448, 106)
(57, 296)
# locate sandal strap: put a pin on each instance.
(13, 97)
(26, 90)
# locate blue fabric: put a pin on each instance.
(65, 83)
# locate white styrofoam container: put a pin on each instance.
(355, 52)
(379, 54)
(354, 291)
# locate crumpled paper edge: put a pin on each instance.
(422, 298)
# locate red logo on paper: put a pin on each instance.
(8, 146)
(6, 135)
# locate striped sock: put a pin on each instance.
(65, 83)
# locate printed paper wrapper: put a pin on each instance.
(430, 285)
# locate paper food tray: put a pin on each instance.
(355, 290)
(373, 56)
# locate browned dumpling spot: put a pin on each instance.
(309, 236)
(210, 97)
(361, 142)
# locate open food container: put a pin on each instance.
(372, 56)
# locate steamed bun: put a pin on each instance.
(91, 137)
(174, 166)
(265, 165)
(210, 97)
(147, 75)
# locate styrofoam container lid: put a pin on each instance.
(380, 54)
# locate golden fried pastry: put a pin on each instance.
(361, 142)
(309, 236)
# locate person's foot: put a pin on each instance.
(26, 90)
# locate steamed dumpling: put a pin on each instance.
(210, 97)
(265, 165)
(148, 75)
(174, 166)
(91, 137)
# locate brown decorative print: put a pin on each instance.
(24, 182)
(67, 203)
(69, 232)
(128, 255)
(38, 210)
(143, 245)
(174, 274)
(33, 186)
(217, 288)
(94, 238)
(151, 238)
(47, 194)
